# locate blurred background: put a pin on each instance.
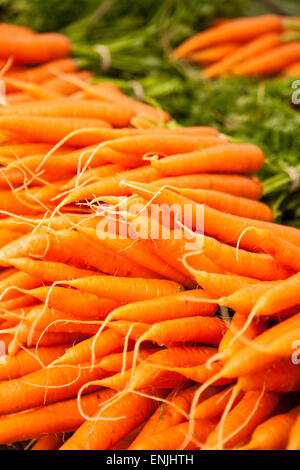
(136, 39)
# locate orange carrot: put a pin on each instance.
(52, 130)
(26, 361)
(60, 382)
(49, 442)
(63, 416)
(228, 158)
(109, 341)
(244, 52)
(103, 433)
(180, 305)
(236, 30)
(214, 53)
(49, 271)
(35, 48)
(175, 437)
(44, 72)
(276, 342)
(80, 304)
(273, 433)
(271, 61)
(226, 227)
(235, 205)
(214, 406)
(281, 376)
(236, 185)
(252, 409)
(125, 289)
(115, 115)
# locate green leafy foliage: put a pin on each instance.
(45, 15)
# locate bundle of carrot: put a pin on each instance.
(263, 45)
(143, 285)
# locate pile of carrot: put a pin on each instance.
(263, 45)
(126, 328)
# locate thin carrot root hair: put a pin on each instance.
(7, 66)
(240, 239)
(234, 394)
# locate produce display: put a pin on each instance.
(148, 299)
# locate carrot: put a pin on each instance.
(110, 185)
(30, 201)
(114, 362)
(180, 305)
(19, 280)
(281, 296)
(205, 330)
(220, 285)
(13, 29)
(235, 205)
(35, 48)
(273, 433)
(26, 361)
(283, 251)
(214, 53)
(104, 432)
(22, 301)
(23, 150)
(115, 115)
(63, 416)
(168, 415)
(292, 70)
(178, 249)
(228, 346)
(56, 166)
(52, 130)
(228, 158)
(49, 442)
(251, 410)
(7, 236)
(271, 61)
(92, 175)
(281, 376)
(78, 303)
(236, 185)
(171, 363)
(138, 252)
(110, 93)
(32, 89)
(58, 247)
(125, 289)
(243, 264)
(226, 227)
(246, 51)
(175, 437)
(66, 88)
(132, 330)
(108, 342)
(276, 343)
(45, 71)
(60, 383)
(163, 143)
(49, 271)
(237, 30)
(212, 407)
